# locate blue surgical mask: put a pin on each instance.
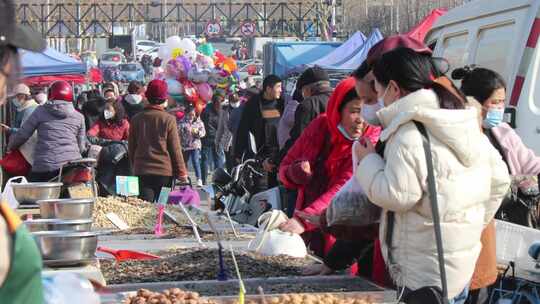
(494, 117)
(344, 133)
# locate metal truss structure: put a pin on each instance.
(93, 19)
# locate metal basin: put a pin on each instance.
(58, 225)
(30, 193)
(67, 209)
(66, 245)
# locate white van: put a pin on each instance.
(501, 35)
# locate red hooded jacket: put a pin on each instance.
(329, 155)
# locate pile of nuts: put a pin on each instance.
(135, 212)
(310, 299)
(198, 264)
(169, 296)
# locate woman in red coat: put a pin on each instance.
(111, 126)
(320, 162)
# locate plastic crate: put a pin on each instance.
(513, 241)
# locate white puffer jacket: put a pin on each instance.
(471, 182)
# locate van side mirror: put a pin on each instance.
(510, 116)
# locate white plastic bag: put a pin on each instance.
(271, 241)
(7, 194)
(351, 206)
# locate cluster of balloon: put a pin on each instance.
(193, 73)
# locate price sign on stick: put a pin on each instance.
(164, 196)
(127, 185)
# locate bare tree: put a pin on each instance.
(390, 16)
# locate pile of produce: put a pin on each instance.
(177, 296)
(135, 212)
(169, 296)
(175, 231)
(199, 264)
(309, 299)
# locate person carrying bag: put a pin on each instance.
(428, 294)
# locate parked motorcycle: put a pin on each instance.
(237, 193)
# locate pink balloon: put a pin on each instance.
(205, 91)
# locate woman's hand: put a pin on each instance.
(292, 226)
(317, 269)
(363, 148)
(315, 220)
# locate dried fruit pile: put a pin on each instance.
(135, 212)
(169, 296)
(198, 264)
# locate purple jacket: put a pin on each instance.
(521, 160)
(61, 135)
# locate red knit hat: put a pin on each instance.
(156, 91)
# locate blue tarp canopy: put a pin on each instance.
(345, 51)
(49, 62)
(290, 54)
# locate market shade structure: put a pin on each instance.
(348, 56)
(347, 50)
(282, 57)
(46, 80)
(420, 31)
(49, 62)
(355, 61)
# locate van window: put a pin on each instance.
(455, 50)
(494, 47)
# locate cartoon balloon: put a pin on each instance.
(229, 65)
(189, 47)
(174, 87)
(205, 91)
(176, 52)
(164, 53)
(173, 42)
(206, 49)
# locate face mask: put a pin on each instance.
(41, 98)
(369, 113)
(380, 100)
(344, 133)
(108, 114)
(16, 103)
(235, 105)
(133, 99)
(494, 117)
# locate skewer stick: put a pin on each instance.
(211, 224)
(231, 222)
(242, 287)
(192, 222)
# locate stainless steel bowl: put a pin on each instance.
(58, 225)
(67, 209)
(66, 245)
(30, 193)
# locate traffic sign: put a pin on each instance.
(213, 28)
(248, 28)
